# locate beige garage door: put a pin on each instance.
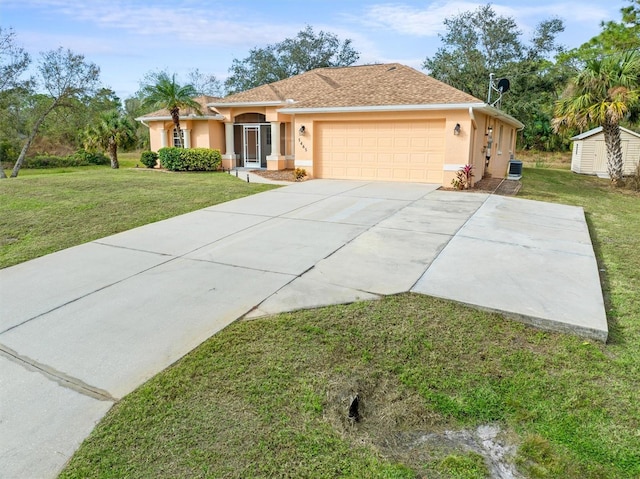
(397, 151)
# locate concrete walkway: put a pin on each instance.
(81, 328)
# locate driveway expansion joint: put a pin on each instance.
(62, 379)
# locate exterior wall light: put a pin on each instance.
(456, 129)
(302, 130)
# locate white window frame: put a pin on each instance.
(175, 139)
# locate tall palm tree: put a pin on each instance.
(166, 93)
(602, 94)
(113, 130)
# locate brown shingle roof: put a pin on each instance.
(203, 100)
(367, 85)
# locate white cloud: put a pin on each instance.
(428, 20)
(410, 20)
(201, 25)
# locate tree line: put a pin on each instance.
(63, 106)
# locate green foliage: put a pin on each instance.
(292, 56)
(603, 94)
(8, 152)
(112, 131)
(480, 42)
(613, 38)
(169, 157)
(191, 159)
(14, 61)
(90, 157)
(149, 158)
(80, 158)
(165, 92)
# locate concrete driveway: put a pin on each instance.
(81, 328)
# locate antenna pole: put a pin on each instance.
(490, 88)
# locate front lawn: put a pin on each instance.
(43, 211)
(269, 397)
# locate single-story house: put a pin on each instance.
(371, 122)
(590, 152)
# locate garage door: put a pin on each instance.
(396, 151)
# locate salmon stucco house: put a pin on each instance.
(371, 122)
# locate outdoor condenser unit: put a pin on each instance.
(515, 170)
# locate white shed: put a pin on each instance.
(590, 153)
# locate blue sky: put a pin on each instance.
(128, 38)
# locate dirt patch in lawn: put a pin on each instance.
(394, 421)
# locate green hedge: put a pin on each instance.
(149, 159)
(190, 159)
(79, 158)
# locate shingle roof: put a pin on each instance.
(367, 85)
(204, 109)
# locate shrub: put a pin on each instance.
(8, 152)
(299, 173)
(169, 157)
(149, 159)
(192, 159)
(85, 157)
(462, 181)
(633, 181)
(79, 158)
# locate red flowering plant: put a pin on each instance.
(462, 181)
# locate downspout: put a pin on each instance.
(473, 118)
(475, 133)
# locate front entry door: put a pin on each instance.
(251, 138)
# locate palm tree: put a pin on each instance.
(166, 93)
(602, 94)
(112, 131)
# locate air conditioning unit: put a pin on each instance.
(515, 170)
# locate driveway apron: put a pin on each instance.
(81, 328)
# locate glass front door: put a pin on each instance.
(251, 139)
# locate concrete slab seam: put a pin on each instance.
(447, 243)
(51, 374)
(230, 265)
(171, 258)
(267, 218)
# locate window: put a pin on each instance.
(500, 140)
(176, 138)
(268, 134)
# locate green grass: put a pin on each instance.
(42, 211)
(268, 398)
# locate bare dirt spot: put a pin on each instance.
(394, 421)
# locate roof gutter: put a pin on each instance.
(142, 119)
(361, 109)
(494, 112)
(246, 103)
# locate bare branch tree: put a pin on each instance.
(14, 61)
(64, 75)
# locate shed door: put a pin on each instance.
(600, 159)
(380, 150)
